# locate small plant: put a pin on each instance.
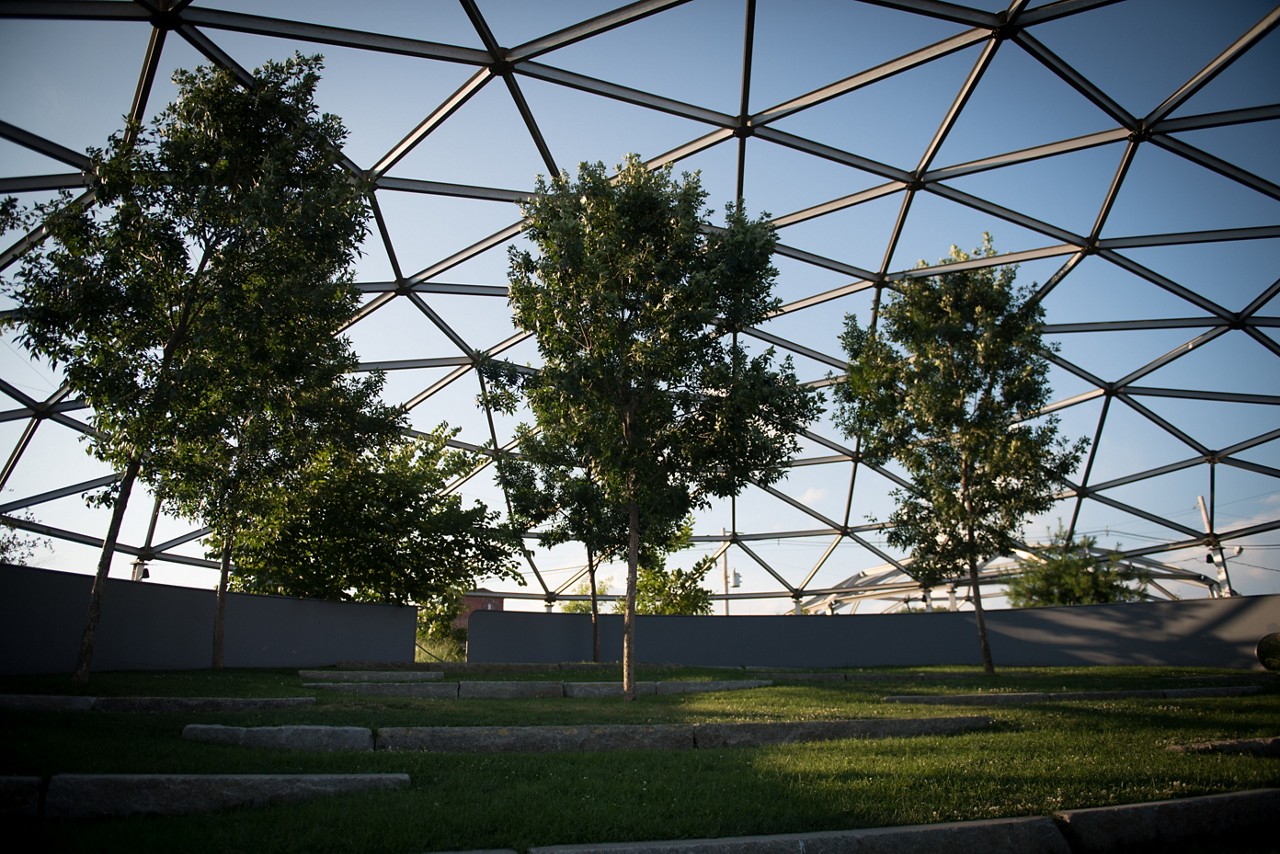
(1269, 651)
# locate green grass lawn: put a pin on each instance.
(1037, 759)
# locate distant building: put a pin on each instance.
(477, 600)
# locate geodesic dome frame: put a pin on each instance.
(1121, 153)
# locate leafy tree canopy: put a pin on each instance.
(674, 591)
(583, 588)
(1071, 572)
(219, 231)
(634, 304)
(950, 381)
(375, 526)
(645, 385)
(196, 288)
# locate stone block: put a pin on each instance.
(370, 675)
(44, 703)
(1013, 835)
(509, 690)
(605, 689)
(707, 686)
(313, 739)
(422, 690)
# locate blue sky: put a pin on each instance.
(1137, 52)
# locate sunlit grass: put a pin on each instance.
(1036, 759)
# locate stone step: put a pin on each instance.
(997, 698)
(313, 739)
(371, 675)
(422, 690)
(527, 690)
(582, 737)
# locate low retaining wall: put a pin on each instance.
(1188, 633)
(148, 626)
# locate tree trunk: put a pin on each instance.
(987, 666)
(595, 606)
(629, 616)
(89, 638)
(220, 606)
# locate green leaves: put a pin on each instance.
(631, 295)
(212, 270)
(1071, 572)
(375, 525)
(950, 383)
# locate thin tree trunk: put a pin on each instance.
(220, 606)
(987, 665)
(595, 606)
(629, 617)
(87, 640)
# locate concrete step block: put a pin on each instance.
(509, 690)
(423, 690)
(313, 739)
(1034, 835)
(370, 675)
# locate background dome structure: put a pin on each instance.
(1122, 153)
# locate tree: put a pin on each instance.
(16, 547)
(439, 635)
(1070, 572)
(589, 606)
(225, 463)
(636, 305)
(674, 591)
(229, 208)
(546, 490)
(951, 383)
(374, 525)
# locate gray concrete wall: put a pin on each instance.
(1191, 633)
(149, 626)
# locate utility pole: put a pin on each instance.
(724, 567)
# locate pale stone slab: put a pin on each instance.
(509, 690)
(45, 703)
(706, 686)
(605, 689)
(96, 795)
(314, 739)
(424, 690)
(1012, 835)
(370, 675)
(997, 698)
